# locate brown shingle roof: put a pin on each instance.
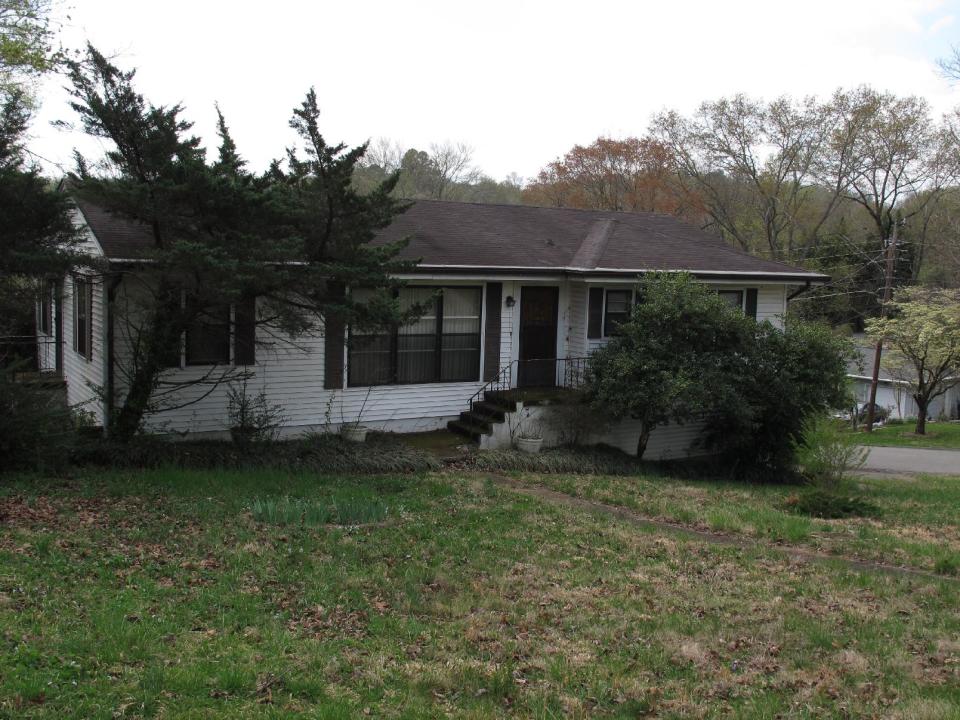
(450, 235)
(493, 237)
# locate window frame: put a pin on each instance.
(394, 336)
(185, 361)
(609, 332)
(83, 341)
(46, 308)
(741, 292)
(181, 351)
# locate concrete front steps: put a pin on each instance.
(483, 415)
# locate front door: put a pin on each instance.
(538, 336)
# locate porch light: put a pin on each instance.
(510, 301)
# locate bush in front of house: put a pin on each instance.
(679, 355)
(785, 377)
(686, 355)
(37, 429)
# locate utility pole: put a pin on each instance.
(878, 351)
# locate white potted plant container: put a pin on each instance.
(529, 444)
(354, 433)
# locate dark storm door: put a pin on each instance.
(538, 336)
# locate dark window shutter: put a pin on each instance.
(751, 308)
(245, 331)
(89, 321)
(333, 346)
(595, 313)
(491, 338)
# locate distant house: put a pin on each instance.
(893, 388)
(526, 293)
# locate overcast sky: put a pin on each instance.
(520, 81)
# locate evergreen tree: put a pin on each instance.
(296, 237)
(35, 227)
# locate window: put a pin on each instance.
(442, 345)
(82, 311)
(733, 297)
(616, 310)
(46, 308)
(208, 338)
(220, 335)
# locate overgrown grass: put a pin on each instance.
(911, 522)
(322, 453)
(900, 433)
(158, 594)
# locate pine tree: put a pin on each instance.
(297, 237)
(35, 227)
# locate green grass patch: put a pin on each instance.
(911, 522)
(314, 513)
(166, 593)
(895, 433)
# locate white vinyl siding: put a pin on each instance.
(84, 376)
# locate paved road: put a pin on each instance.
(913, 460)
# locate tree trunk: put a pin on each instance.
(645, 430)
(162, 340)
(921, 428)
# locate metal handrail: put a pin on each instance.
(574, 371)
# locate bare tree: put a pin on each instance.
(453, 165)
(758, 168)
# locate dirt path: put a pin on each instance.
(740, 541)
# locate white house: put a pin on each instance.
(894, 392)
(525, 294)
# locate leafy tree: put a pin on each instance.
(673, 360)
(296, 237)
(26, 42)
(923, 329)
(760, 168)
(633, 174)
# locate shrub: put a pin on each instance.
(37, 429)
(575, 422)
(675, 358)
(785, 377)
(825, 454)
(252, 417)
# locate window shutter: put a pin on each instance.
(245, 331)
(595, 313)
(751, 308)
(89, 321)
(333, 346)
(491, 333)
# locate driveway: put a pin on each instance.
(913, 460)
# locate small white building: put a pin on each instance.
(525, 294)
(894, 389)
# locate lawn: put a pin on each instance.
(915, 522)
(900, 434)
(268, 594)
